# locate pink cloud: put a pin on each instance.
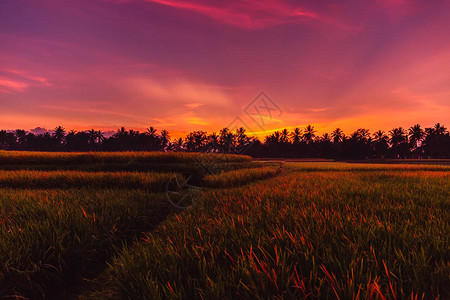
(28, 76)
(12, 84)
(251, 14)
(17, 80)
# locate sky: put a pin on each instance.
(201, 65)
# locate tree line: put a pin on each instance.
(415, 142)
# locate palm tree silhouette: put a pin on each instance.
(416, 135)
(58, 134)
(326, 137)
(213, 142)
(439, 129)
(179, 143)
(242, 140)
(284, 136)
(399, 140)
(199, 139)
(165, 138)
(296, 135)
(337, 135)
(190, 142)
(380, 143)
(151, 132)
(133, 133)
(276, 137)
(122, 132)
(415, 142)
(100, 136)
(92, 136)
(380, 137)
(361, 134)
(240, 131)
(226, 139)
(309, 134)
(70, 140)
(398, 135)
(20, 135)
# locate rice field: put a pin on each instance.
(319, 235)
(239, 177)
(151, 181)
(314, 230)
(73, 158)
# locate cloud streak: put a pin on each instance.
(250, 14)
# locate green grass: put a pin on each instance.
(57, 226)
(16, 158)
(239, 177)
(149, 181)
(48, 236)
(371, 234)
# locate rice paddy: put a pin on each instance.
(315, 230)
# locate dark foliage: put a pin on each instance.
(397, 143)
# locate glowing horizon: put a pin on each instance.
(195, 65)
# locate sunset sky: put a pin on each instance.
(195, 65)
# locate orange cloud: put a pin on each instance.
(193, 105)
(196, 121)
(179, 91)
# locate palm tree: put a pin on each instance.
(439, 129)
(151, 132)
(20, 135)
(178, 144)
(380, 143)
(226, 139)
(92, 136)
(190, 142)
(242, 140)
(133, 133)
(296, 135)
(337, 135)
(70, 140)
(399, 140)
(165, 138)
(121, 132)
(361, 134)
(274, 138)
(309, 134)
(436, 142)
(213, 139)
(326, 138)
(199, 139)
(58, 134)
(100, 136)
(284, 136)
(416, 135)
(380, 137)
(240, 132)
(398, 136)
